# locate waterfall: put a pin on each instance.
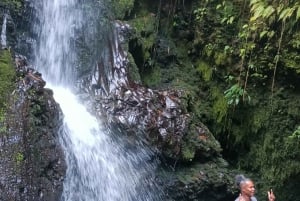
(3, 32)
(99, 167)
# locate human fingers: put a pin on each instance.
(271, 195)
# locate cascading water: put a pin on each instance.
(3, 32)
(100, 168)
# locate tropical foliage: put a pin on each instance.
(261, 42)
(238, 60)
(13, 5)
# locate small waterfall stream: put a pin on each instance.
(3, 32)
(100, 168)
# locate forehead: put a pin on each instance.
(248, 183)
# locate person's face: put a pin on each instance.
(248, 188)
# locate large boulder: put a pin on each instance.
(158, 118)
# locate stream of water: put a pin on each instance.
(100, 168)
(3, 32)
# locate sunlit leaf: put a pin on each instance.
(271, 34)
(257, 13)
(262, 34)
(286, 13)
(298, 13)
(268, 11)
(245, 26)
(230, 20)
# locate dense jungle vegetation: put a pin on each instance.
(239, 65)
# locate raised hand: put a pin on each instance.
(271, 195)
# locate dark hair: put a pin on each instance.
(241, 179)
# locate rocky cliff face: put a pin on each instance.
(32, 165)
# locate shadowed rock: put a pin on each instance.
(192, 164)
(32, 165)
(157, 116)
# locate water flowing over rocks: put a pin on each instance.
(32, 165)
(160, 119)
(159, 114)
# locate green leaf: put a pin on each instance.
(257, 13)
(262, 34)
(271, 34)
(223, 20)
(286, 13)
(242, 52)
(268, 12)
(245, 26)
(230, 20)
(298, 13)
(237, 100)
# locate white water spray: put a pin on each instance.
(100, 168)
(3, 32)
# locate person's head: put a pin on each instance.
(245, 185)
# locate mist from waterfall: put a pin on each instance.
(100, 167)
(3, 32)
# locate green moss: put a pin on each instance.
(7, 75)
(145, 24)
(152, 76)
(145, 34)
(19, 157)
(220, 58)
(220, 106)
(2, 122)
(277, 158)
(122, 8)
(141, 47)
(260, 119)
(133, 69)
(205, 70)
(189, 144)
(14, 5)
(188, 151)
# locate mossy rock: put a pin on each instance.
(199, 144)
(209, 181)
(7, 76)
(151, 76)
(133, 70)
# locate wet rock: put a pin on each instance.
(159, 116)
(32, 165)
(209, 181)
(163, 120)
(159, 119)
